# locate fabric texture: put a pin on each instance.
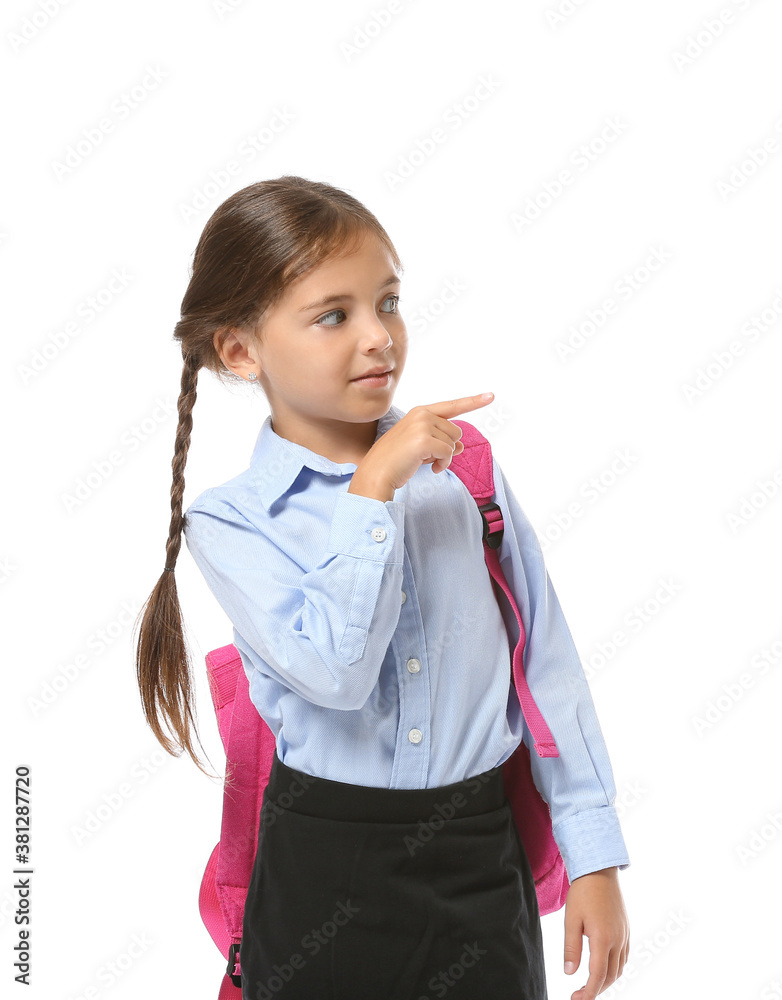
(373, 643)
(411, 893)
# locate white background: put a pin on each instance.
(689, 97)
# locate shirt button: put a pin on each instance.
(379, 534)
(415, 735)
(404, 597)
(413, 665)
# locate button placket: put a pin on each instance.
(413, 743)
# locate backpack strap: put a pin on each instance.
(474, 467)
(250, 745)
(249, 748)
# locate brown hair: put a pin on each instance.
(255, 244)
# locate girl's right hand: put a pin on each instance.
(425, 435)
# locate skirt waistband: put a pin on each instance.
(323, 797)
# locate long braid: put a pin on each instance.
(162, 657)
(253, 247)
(187, 398)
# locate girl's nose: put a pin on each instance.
(376, 334)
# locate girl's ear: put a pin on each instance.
(217, 343)
(233, 351)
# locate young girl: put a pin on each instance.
(375, 649)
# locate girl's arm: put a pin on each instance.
(324, 633)
(579, 784)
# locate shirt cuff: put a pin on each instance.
(591, 840)
(368, 528)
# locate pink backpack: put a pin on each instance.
(250, 744)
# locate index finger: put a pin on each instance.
(452, 407)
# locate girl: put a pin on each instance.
(372, 639)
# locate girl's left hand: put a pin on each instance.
(594, 907)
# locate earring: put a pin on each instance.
(252, 376)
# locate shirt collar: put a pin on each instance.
(276, 461)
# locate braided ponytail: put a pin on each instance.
(256, 243)
(162, 657)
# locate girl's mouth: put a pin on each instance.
(374, 380)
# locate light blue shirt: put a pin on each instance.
(373, 642)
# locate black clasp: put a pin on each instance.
(233, 954)
(492, 530)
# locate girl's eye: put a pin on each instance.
(395, 300)
(334, 312)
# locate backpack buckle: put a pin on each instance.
(493, 524)
(233, 953)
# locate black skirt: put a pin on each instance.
(366, 893)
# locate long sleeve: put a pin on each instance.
(322, 633)
(579, 784)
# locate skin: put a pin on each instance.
(594, 908)
(305, 362)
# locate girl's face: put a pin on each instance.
(312, 351)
